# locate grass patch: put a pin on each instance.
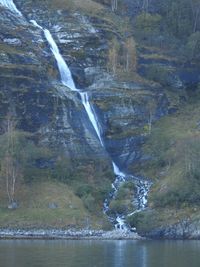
(35, 209)
(87, 6)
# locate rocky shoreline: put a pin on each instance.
(68, 234)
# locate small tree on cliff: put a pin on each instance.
(10, 168)
(114, 5)
(130, 55)
(113, 56)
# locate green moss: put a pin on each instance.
(10, 49)
(78, 54)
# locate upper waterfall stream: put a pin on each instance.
(11, 6)
(67, 80)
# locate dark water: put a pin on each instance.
(100, 253)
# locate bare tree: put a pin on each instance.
(18, 154)
(9, 165)
(130, 55)
(151, 107)
(145, 5)
(195, 7)
(114, 5)
(113, 56)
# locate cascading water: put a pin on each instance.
(67, 80)
(65, 73)
(91, 115)
(11, 6)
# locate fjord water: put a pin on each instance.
(99, 253)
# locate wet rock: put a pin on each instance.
(52, 205)
(123, 109)
(184, 229)
(121, 234)
(12, 206)
(12, 41)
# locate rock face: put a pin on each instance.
(126, 121)
(185, 229)
(31, 86)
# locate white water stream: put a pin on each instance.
(65, 73)
(91, 114)
(11, 6)
(67, 80)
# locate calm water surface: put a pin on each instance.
(99, 253)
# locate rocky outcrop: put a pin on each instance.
(185, 229)
(126, 110)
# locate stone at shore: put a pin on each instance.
(120, 234)
(67, 234)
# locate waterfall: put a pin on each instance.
(65, 73)
(11, 6)
(120, 224)
(91, 114)
(117, 171)
(67, 80)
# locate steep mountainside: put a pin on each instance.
(132, 83)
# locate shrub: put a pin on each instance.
(159, 74)
(83, 190)
(147, 25)
(144, 221)
(89, 202)
(118, 207)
